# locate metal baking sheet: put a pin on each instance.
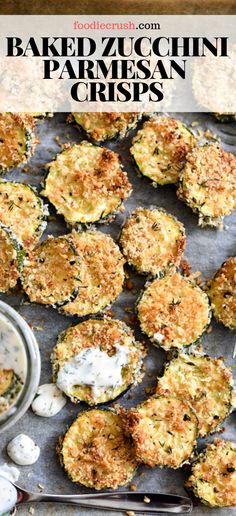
(206, 249)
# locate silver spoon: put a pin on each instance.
(149, 503)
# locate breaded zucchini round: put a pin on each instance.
(225, 117)
(23, 211)
(173, 311)
(205, 382)
(10, 386)
(50, 273)
(153, 241)
(40, 114)
(86, 183)
(96, 360)
(208, 184)
(95, 451)
(17, 141)
(105, 126)
(160, 149)
(10, 260)
(101, 273)
(213, 475)
(222, 293)
(164, 431)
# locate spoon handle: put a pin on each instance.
(149, 503)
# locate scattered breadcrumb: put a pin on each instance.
(149, 390)
(199, 348)
(185, 267)
(146, 499)
(129, 284)
(133, 319)
(70, 118)
(109, 312)
(221, 430)
(129, 310)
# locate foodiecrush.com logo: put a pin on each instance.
(172, 63)
(110, 26)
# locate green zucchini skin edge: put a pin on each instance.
(194, 449)
(116, 138)
(162, 272)
(192, 491)
(225, 118)
(59, 444)
(14, 389)
(93, 315)
(216, 318)
(73, 295)
(45, 212)
(98, 317)
(203, 220)
(29, 148)
(17, 245)
(99, 314)
(154, 183)
(43, 206)
(82, 226)
(171, 355)
(155, 343)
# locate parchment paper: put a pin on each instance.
(206, 249)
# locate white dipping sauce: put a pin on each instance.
(23, 450)
(12, 351)
(94, 368)
(12, 356)
(48, 401)
(8, 496)
(9, 472)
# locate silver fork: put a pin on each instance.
(148, 503)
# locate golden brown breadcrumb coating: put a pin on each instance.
(95, 451)
(105, 126)
(208, 184)
(213, 475)
(86, 183)
(101, 273)
(153, 241)
(50, 274)
(205, 382)
(105, 335)
(164, 431)
(173, 311)
(222, 293)
(160, 149)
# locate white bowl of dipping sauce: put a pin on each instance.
(18, 352)
(8, 497)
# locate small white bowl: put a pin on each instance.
(33, 367)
